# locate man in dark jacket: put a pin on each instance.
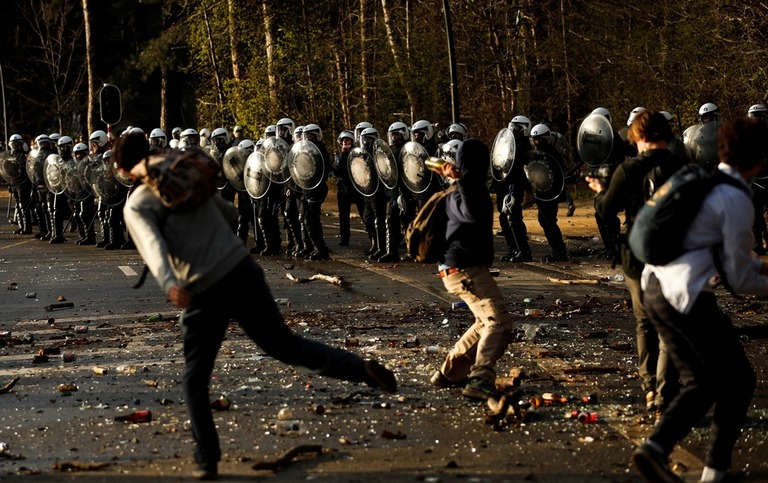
(464, 270)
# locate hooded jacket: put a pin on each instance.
(469, 231)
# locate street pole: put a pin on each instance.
(5, 115)
(455, 111)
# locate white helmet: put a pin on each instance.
(190, 137)
(522, 123)
(17, 144)
(65, 140)
(173, 143)
(259, 142)
(455, 143)
(633, 114)
(238, 129)
(667, 115)
(205, 132)
(310, 129)
(710, 111)
(285, 123)
(99, 137)
(54, 136)
(359, 129)
(80, 148)
(221, 133)
(158, 138)
(603, 112)
(758, 110)
(458, 130)
(136, 130)
(368, 136)
(423, 126)
(298, 134)
(42, 139)
(539, 131)
(176, 132)
(247, 145)
(345, 134)
(400, 128)
(270, 131)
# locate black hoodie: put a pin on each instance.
(470, 210)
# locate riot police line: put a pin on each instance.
(280, 181)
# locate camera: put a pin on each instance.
(602, 172)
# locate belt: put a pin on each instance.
(448, 271)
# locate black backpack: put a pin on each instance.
(425, 236)
(661, 224)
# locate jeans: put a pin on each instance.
(243, 294)
(714, 368)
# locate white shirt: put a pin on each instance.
(726, 217)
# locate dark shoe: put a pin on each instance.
(381, 377)
(129, 245)
(18, 231)
(480, 389)
(654, 466)
(555, 257)
(268, 252)
(206, 472)
(112, 246)
(45, 237)
(256, 250)
(389, 258)
(319, 255)
(438, 379)
(39, 236)
(102, 244)
(57, 240)
(571, 211)
(344, 243)
(376, 255)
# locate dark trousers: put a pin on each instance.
(548, 222)
(344, 200)
(243, 295)
(714, 368)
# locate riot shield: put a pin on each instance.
(503, 154)
(106, 186)
(36, 167)
(12, 168)
(305, 163)
(255, 177)
(211, 150)
(545, 175)
(85, 169)
(415, 175)
(701, 144)
(594, 141)
(54, 174)
(362, 172)
(385, 164)
(233, 166)
(275, 149)
(73, 183)
(121, 177)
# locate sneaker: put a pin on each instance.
(555, 257)
(206, 472)
(480, 388)
(438, 379)
(381, 377)
(654, 466)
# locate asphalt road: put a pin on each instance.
(587, 329)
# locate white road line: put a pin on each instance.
(128, 271)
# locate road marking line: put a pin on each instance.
(128, 271)
(16, 244)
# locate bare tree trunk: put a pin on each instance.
(308, 63)
(270, 51)
(164, 99)
(396, 56)
(363, 61)
(566, 69)
(214, 63)
(343, 87)
(90, 104)
(233, 42)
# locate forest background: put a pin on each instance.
(210, 63)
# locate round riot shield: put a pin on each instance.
(275, 149)
(122, 177)
(594, 141)
(305, 163)
(503, 154)
(385, 164)
(233, 166)
(701, 144)
(255, 177)
(36, 167)
(362, 172)
(416, 176)
(12, 168)
(211, 150)
(106, 186)
(54, 174)
(85, 169)
(545, 175)
(73, 183)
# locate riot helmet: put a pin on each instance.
(99, 137)
(220, 138)
(368, 136)
(189, 137)
(758, 111)
(285, 127)
(238, 130)
(708, 113)
(44, 142)
(359, 129)
(540, 134)
(298, 134)
(176, 133)
(397, 134)
(205, 133)
(54, 136)
(17, 144)
(247, 145)
(80, 151)
(136, 130)
(603, 112)
(157, 138)
(457, 131)
(312, 132)
(520, 125)
(270, 131)
(259, 142)
(422, 130)
(633, 114)
(65, 145)
(346, 140)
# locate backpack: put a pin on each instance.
(661, 224)
(425, 236)
(181, 180)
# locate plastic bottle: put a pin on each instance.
(534, 312)
(459, 305)
(289, 427)
(144, 416)
(586, 417)
(155, 318)
(530, 331)
(126, 369)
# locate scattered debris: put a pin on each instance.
(61, 298)
(63, 305)
(328, 278)
(387, 434)
(288, 456)
(10, 385)
(591, 370)
(80, 466)
(577, 281)
(12, 286)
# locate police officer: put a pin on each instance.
(21, 191)
(375, 212)
(510, 193)
(760, 190)
(291, 222)
(346, 194)
(312, 199)
(99, 145)
(45, 148)
(84, 213)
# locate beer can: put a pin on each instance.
(68, 357)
